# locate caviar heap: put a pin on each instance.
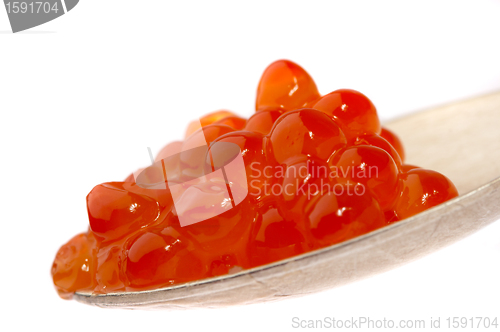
(320, 170)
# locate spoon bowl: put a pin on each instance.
(460, 140)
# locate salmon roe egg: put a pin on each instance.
(262, 121)
(276, 238)
(380, 142)
(208, 119)
(394, 140)
(72, 267)
(352, 110)
(302, 179)
(252, 147)
(114, 211)
(339, 215)
(374, 168)
(286, 85)
(305, 132)
(162, 257)
(423, 189)
(234, 122)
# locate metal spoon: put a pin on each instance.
(460, 140)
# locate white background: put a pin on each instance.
(83, 96)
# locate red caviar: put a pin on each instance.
(317, 170)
